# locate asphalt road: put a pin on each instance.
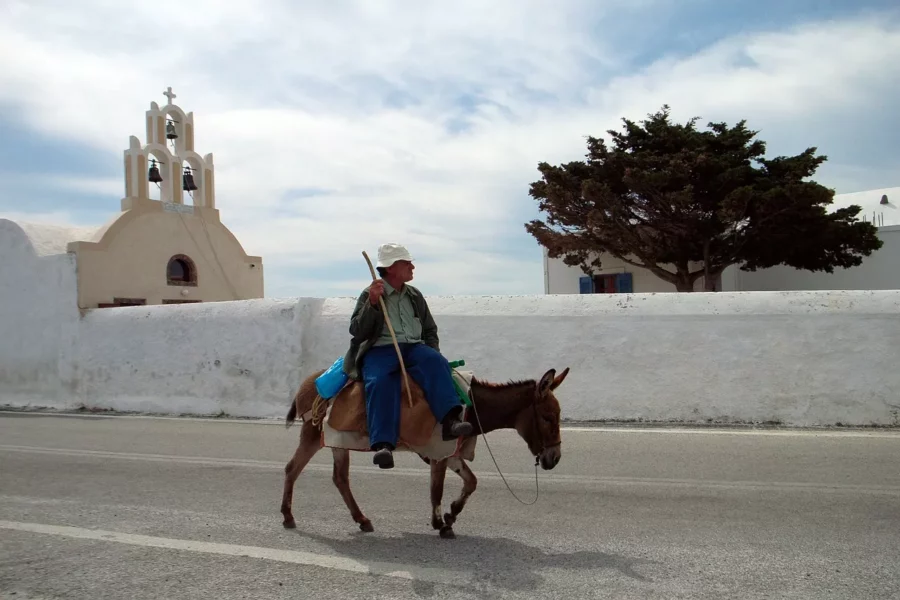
(140, 508)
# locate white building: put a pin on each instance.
(880, 271)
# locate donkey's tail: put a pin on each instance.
(292, 413)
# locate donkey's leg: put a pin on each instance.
(308, 446)
(341, 478)
(438, 474)
(470, 482)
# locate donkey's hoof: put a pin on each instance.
(366, 526)
(289, 524)
(447, 533)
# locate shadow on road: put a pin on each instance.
(483, 563)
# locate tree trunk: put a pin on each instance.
(683, 280)
(707, 276)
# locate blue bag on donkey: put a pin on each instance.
(329, 383)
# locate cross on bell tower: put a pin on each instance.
(169, 94)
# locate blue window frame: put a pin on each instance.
(617, 283)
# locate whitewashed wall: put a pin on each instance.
(801, 358)
(38, 320)
(240, 358)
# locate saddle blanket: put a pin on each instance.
(344, 425)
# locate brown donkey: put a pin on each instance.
(527, 406)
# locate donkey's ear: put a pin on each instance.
(545, 382)
(559, 379)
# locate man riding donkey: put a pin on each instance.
(373, 359)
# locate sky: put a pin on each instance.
(337, 126)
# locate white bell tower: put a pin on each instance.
(168, 160)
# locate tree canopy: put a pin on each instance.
(669, 197)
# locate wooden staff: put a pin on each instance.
(387, 320)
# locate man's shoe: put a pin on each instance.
(454, 428)
(384, 458)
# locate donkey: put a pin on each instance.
(527, 406)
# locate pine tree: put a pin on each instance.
(667, 196)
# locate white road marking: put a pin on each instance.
(423, 472)
(341, 563)
(674, 428)
(726, 430)
(210, 460)
(53, 413)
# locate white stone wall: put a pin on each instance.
(240, 358)
(38, 320)
(801, 358)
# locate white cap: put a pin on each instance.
(388, 254)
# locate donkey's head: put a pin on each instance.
(538, 422)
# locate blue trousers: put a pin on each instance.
(382, 377)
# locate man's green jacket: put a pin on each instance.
(367, 323)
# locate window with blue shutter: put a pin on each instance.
(586, 285)
(624, 284)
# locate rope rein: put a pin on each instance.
(537, 490)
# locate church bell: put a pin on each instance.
(170, 131)
(187, 180)
(153, 174)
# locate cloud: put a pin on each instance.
(338, 126)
